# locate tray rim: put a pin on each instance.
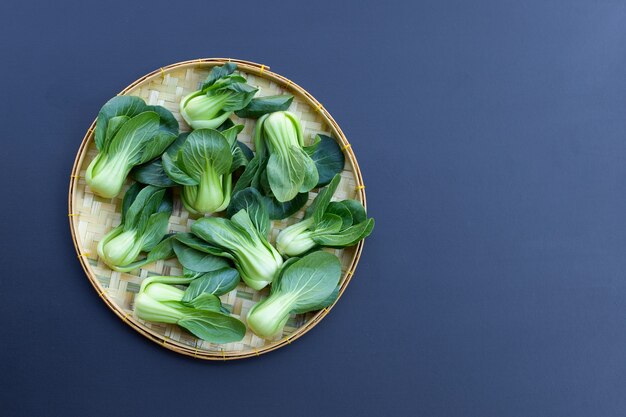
(259, 70)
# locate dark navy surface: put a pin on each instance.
(492, 140)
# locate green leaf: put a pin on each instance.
(213, 327)
(251, 200)
(163, 250)
(116, 111)
(219, 232)
(357, 211)
(191, 240)
(188, 273)
(146, 203)
(168, 124)
(226, 125)
(239, 158)
(156, 228)
(286, 172)
(312, 280)
(328, 301)
(231, 133)
(319, 205)
(196, 260)
(205, 149)
(330, 223)
(240, 97)
(246, 151)
(286, 265)
(115, 123)
(175, 173)
(347, 237)
(329, 159)
(279, 211)
(341, 210)
(135, 135)
(129, 197)
(310, 149)
(204, 301)
(216, 282)
(251, 174)
(218, 72)
(152, 173)
(311, 177)
(263, 105)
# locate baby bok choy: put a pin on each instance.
(220, 95)
(243, 239)
(128, 133)
(203, 165)
(201, 315)
(334, 224)
(328, 159)
(306, 284)
(145, 215)
(290, 169)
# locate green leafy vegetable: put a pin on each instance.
(203, 165)
(333, 224)
(278, 210)
(304, 285)
(152, 173)
(289, 168)
(216, 282)
(241, 240)
(252, 201)
(158, 301)
(263, 105)
(197, 261)
(328, 158)
(145, 215)
(221, 94)
(128, 133)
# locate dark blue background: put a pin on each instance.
(492, 138)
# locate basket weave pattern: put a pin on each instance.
(91, 217)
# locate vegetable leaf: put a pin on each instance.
(214, 327)
(252, 201)
(216, 282)
(264, 105)
(328, 158)
(196, 260)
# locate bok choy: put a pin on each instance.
(220, 95)
(290, 170)
(329, 161)
(145, 215)
(128, 133)
(334, 224)
(203, 165)
(306, 284)
(159, 301)
(243, 239)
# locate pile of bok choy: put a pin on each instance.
(209, 171)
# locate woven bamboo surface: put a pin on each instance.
(91, 217)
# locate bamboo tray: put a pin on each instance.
(91, 216)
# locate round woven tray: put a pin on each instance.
(91, 217)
